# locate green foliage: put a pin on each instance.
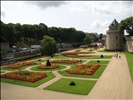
(87, 39)
(48, 46)
(32, 34)
(126, 24)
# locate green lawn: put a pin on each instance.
(98, 57)
(82, 87)
(22, 68)
(129, 57)
(105, 50)
(35, 84)
(36, 69)
(97, 74)
(101, 62)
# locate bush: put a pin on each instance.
(48, 63)
(101, 56)
(72, 84)
(98, 61)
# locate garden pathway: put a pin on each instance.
(114, 83)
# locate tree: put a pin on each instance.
(87, 39)
(48, 46)
(126, 24)
(100, 36)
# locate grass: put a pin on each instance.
(97, 74)
(22, 68)
(98, 57)
(82, 87)
(106, 50)
(129, 57)
(36, 69)
(101, 62)
(29, 84)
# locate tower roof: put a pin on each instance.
(113, 25)
(114, 22)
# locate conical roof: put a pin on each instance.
(114, 22)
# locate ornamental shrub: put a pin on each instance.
(101, 56)
(48, 63)
(72, 84)
(98, 61)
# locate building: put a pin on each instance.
(114, 39)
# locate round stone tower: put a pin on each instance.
(114, 39)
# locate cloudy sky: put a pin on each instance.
(87, 16)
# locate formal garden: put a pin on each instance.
(35, 72)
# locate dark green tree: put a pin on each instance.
(87, 39)
(127, 24)
(100, 36)
(48, 46)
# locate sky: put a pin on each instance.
(86, 16)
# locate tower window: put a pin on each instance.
(116, 38)
(117, 44)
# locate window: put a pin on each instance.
(116, 38)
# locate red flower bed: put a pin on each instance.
(65, 61)
(20, 64)
(85, 69)
(25, 76)
(53, 66)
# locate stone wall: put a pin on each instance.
(25, 53)
(129, 44)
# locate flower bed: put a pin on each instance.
(53, 66)
(86, 69)
(25, 76)
(65, 61)
(69, 53)
(20, 64)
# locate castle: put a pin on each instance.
(114, 39)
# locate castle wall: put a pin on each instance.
(129, 44)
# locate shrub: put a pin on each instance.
(98, 61)
(72, 84)
(101, 56)
(48, 63)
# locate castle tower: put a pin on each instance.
(114, 39)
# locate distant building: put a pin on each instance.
(114, 39)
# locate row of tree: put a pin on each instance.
(14, 33)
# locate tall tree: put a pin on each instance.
(48, 46)
(87, 40)
(127, 24)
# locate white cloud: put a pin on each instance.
(110, 8)
(96, 24)
(100, 24)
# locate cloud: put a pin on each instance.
(46, 4)
(105, 8)
(99, 24)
